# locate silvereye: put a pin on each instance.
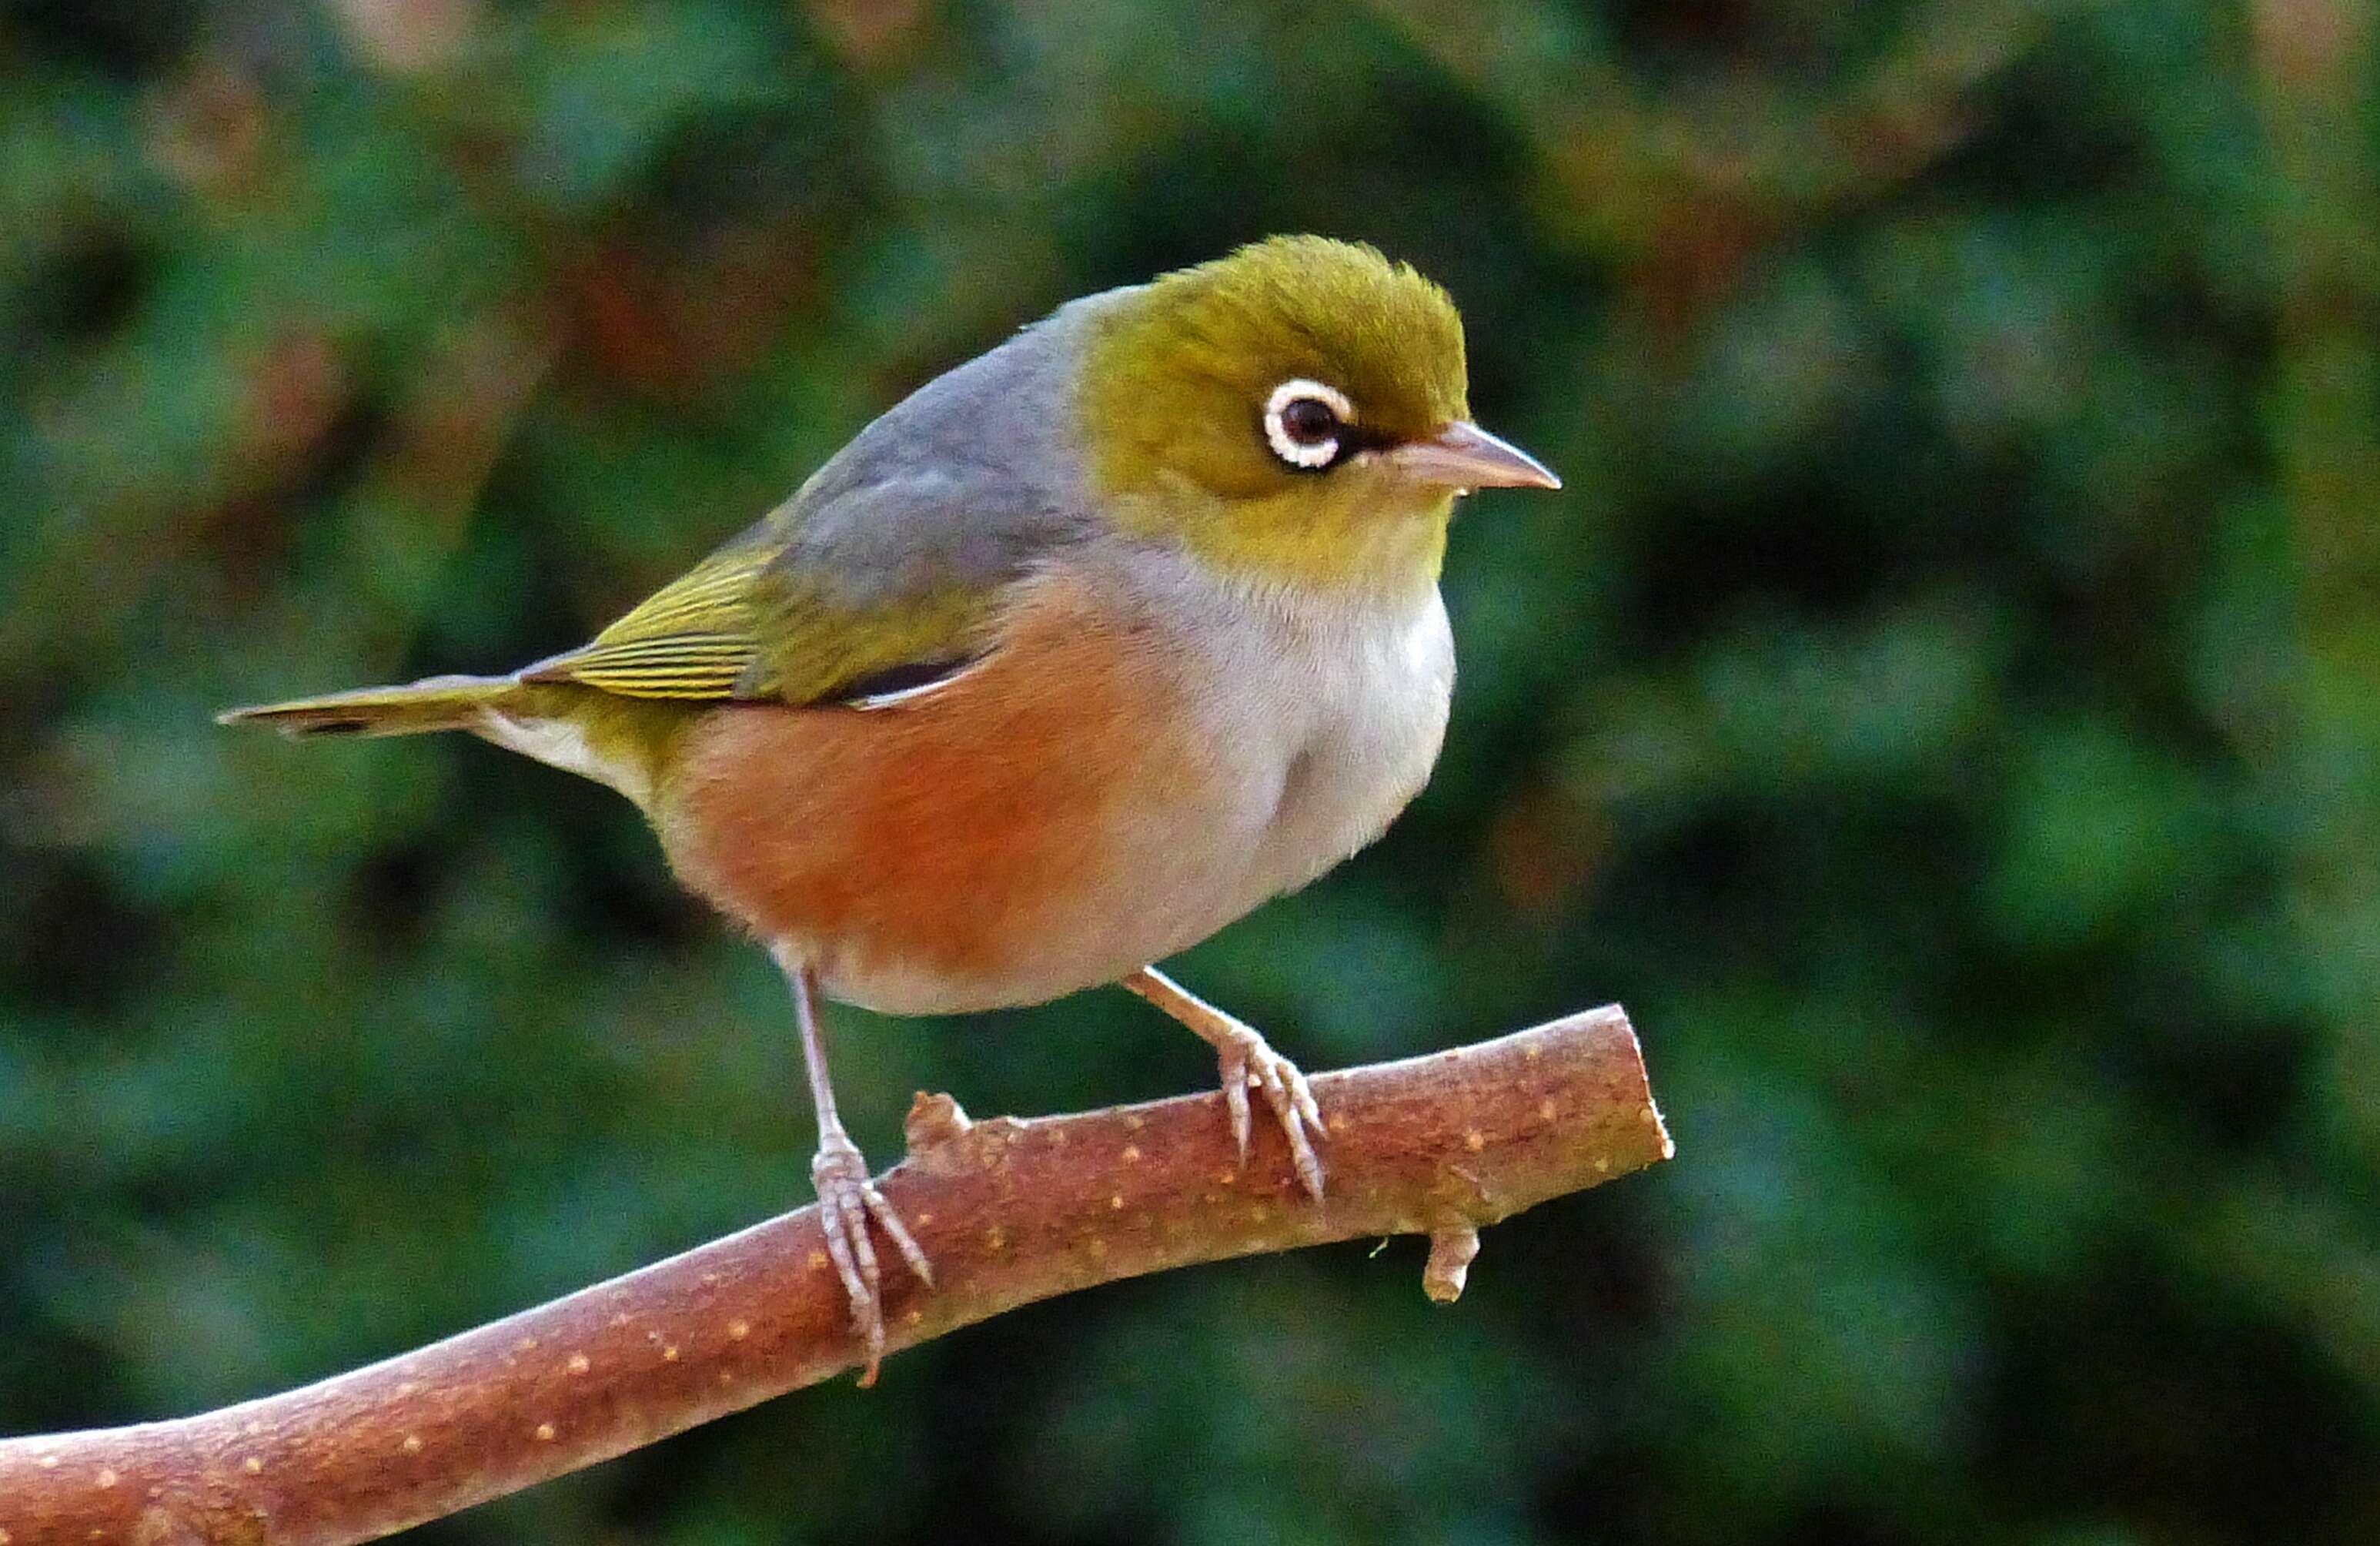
(1076, 655)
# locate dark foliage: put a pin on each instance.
(1945, 706)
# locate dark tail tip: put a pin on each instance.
(297, 724)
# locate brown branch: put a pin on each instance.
(1009, 1212)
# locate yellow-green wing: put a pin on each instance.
(743, 624)
(696, 636)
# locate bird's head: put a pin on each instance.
(1294, 413)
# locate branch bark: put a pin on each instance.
(1009, 1212)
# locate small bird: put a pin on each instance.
(1076, 655)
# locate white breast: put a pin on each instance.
(1330, 714)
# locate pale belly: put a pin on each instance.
(1095, 797)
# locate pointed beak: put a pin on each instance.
(1463, 456)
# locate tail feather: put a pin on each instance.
(437, 703)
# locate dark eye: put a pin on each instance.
(1304, 422)
(1309, 421)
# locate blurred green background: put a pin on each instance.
(1944, 705)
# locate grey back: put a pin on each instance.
(964, 482)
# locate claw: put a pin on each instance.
(1249, 1059)
(847, 1200)
(890, 1221)
(1236, 1079)
(1246, 1059)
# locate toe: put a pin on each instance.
(1294, 1106)
(1235, 1100)
(1310, 1111)
(1301, 1148)
(846, 1198)
(863, 1249)
(898, 1232)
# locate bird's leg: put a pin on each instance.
(847, 1197)
(1247, 1059)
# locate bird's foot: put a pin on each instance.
(847, 1200)
(1248, 1060)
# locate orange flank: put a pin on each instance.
(954, 838)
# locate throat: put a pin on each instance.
(1355, 548)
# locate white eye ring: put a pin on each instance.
(1295, 452)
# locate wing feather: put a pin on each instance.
(696, 637)
(741, 626)
(897, 558)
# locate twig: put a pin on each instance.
(1009, 1212)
